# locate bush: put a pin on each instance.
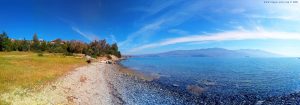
(89, 61)
(94, 56)
(68, 54)
(40, 54)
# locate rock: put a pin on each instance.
(175, 85)
(259, 102)
(108, 62)
(87, 57)
(194, 89)
(88, 61)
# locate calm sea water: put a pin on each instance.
(263, 77)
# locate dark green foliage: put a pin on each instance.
(115, 50)
(57, 46)
(68, 54)
(24, 46)
(5, 42)
(43, 46)
(119, 54)
(94, 49)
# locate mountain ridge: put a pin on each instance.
(216, 52)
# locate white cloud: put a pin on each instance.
(223, 36)
(90, 37)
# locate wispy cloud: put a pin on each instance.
(157, 7)
(243, 17)
(170, 18)
(281, 17)
(149, 28)
(113, 38)
(223, 36)
(178, 31)
(89, 36)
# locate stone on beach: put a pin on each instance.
(194, 89)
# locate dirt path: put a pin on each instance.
(83, 86)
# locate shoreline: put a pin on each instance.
(136, 90)
(106, 84)
(133, 88)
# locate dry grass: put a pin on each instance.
(28, 70)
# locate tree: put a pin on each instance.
(94, 48)
(56, 46)
(35, 43)
(5, 42)
(74, 46)
(114, 50)
(35, 38)
(25, 45)
(15, 45)
(43, 46)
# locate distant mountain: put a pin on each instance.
(216, 52)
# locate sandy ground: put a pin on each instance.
(85, 85)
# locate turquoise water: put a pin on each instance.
(263, 77)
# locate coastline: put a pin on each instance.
(97, 83)
(113, 84)
(135, 90)
(131, 87)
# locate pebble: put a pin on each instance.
(175, 85)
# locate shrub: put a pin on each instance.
(94, 56)
(89, 61)
(40, 54)
(68, 54)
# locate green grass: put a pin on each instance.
(28, 70)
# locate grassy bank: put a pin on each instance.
(30, 70)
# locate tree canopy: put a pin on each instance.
(94, 48)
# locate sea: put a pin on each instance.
(252, 79)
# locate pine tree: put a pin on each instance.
(115, 50)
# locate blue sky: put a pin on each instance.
(151, 26)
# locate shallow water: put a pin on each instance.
(262, 77)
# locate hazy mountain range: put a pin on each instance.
(216, 52)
